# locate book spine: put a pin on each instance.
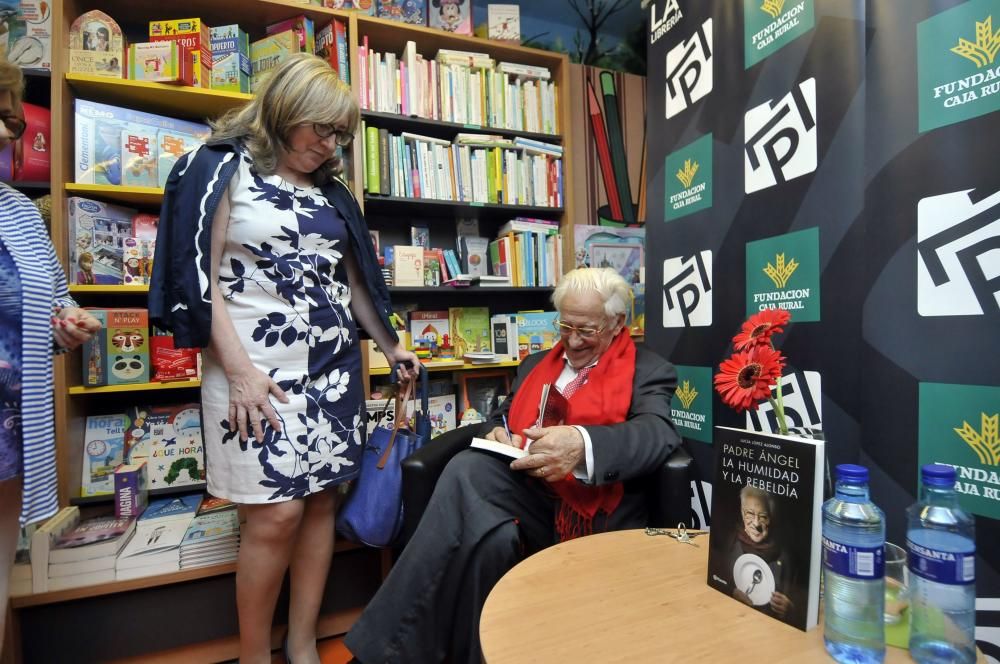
(371, 159)
(383, 156)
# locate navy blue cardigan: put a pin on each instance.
(180, 298)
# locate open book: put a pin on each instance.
(552, 408)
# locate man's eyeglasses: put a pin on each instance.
(761, 517)
(328, 130)
(14, 124)
(565, 329)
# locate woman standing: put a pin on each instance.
(37, 318)
(272, 274)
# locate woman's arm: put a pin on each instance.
(249, 387)
(364, 312)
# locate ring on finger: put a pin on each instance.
(541, 471)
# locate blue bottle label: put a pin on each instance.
(857, 562)
(951, 567)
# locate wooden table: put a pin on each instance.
(629, 597)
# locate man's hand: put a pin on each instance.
(499, 435)
(555, 452)
(780, 604)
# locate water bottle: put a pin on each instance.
(853, 571)
(940, 542)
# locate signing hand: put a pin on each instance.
(555, 452)
(72, 326)
(249, 403)
(499, 434)
(780, 604)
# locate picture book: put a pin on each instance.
(266, 53)
(96, 45)
(128, 346)
(472, 251)
(169, 439)
(504, 330)
(192, 34)
(103, 451)
(97, 233)
(430, 327)
(211, 528)
(536, 331)
(408, 266)
(230, 47)
(441, 411)
(175, 508)
(133, 265)
(451, 16)
(504, 22)
(470, 330)
(420, 236)
(765, 541)
(212, 504)
(172, 145)
(303, 28)
(139, 156)
(131, 489)
(432, 269)
(160, 62)
(92, 538)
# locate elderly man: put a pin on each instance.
(487, 512)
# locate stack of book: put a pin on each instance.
(156, 546)
(528, 251)
(213, 536)
(85, 555)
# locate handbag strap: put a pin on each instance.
(401, 400)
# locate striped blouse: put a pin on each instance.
(43, 287)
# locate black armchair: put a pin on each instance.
(667, 490)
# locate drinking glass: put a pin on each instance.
(897, 593)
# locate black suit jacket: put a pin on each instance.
(627, 451)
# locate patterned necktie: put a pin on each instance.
(575, 384)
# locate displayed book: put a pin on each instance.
(765, 542)
(210, 530)
(453, 16)
(504, 22)
(429, 327)
(28, 42)
(128, 346)
(470, 329)
(97, 537)
(42, 541)
(96, 45)
(268, 53)
(80, 580)
(504, 330)
(230, 47)
(212, 504)
(536, 331)
(472, 252)
(432, 268)
(159, 532)
(440, 411)
(20, 579)
(194, 36)
(420, 236)
(331, 46)
(103, 451)
(169, 439)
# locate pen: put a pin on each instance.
(507, 429)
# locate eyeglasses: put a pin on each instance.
(760, 517)
(15, 125)
(327, 130)
(565, 329)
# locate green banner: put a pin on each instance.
(768, 25)
(782, 272)
(691, 408)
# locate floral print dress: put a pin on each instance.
(286, 291)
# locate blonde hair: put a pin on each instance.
(607, 283)
(302, 89)
(12, 80)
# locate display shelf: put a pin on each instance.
(454, 290)
(108, 498)
(30, 186)
(143, 582)
(442, 129)
(396, 202)
(117, 193)
(135, 387)
(108, 289)
(174, 100)
(385, 371)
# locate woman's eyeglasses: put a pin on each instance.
(327, 130)
(15, 125)
(565, 329)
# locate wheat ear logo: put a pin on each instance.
(985, 443)
(773, 7)
(780, 272)
(984, 51)
(686, 394)
(686, 174)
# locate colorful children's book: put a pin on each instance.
(192, 34)
(430, 327)
(92, 538)
(230, 58)
(161, 528)
(451, 16)
(432, 268)
(169, 439)
(303, 28)
(267, 53)
(96, 45)
(103, 451)
(470, 330)
(128, 346)
(536, 331)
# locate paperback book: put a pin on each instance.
(764, 548)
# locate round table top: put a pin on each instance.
(630, 597)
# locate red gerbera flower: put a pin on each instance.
(759, 328)
(746, 378)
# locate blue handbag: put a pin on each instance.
(373, 512)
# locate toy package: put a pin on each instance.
(139, 157)
(96, 45)
(94, 353)
(35, 163)
(536, 331)
(169, 439)
(103, 451)
(28, 42)
(172, 145)
(161, 62)
(407, 11)
(131, 489)
(97, 233)
(128, 346)
(99, 129)
(267, 53)
(192, 33)
(171, 363)
(230, 59)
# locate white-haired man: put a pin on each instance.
(487, 513)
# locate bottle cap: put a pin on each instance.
(852, 473)
(938, 474)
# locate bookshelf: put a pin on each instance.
(74, 402)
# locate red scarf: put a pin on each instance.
(604, 399)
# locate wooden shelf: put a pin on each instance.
(181, 101)
(135, 387)
(108, 289)
(118, 194)
(82, 501)
(442, 129)
(143, 582)
(385, 371)
(431, 203)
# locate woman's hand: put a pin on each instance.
(409, 364)
(249, 390)
(72, 326)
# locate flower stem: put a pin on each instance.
(779, 409)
